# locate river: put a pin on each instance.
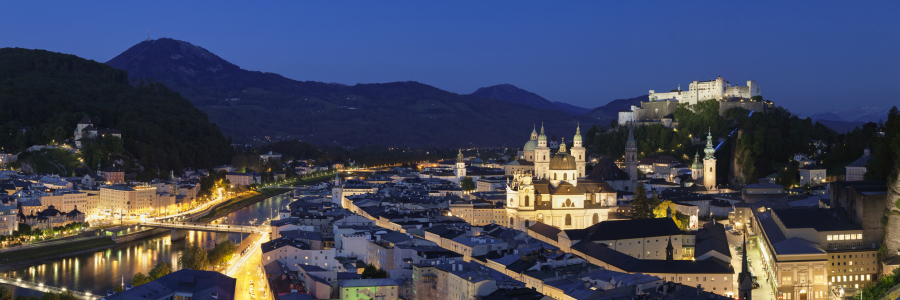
(101, 271)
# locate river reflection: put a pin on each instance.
(103, 270)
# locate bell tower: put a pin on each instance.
(542, 156)
(460, 167)
(709, 164)
(578, 153)
(631, 155)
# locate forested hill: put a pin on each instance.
(250, 103)
(44, 94)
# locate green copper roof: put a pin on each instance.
(577, 133)
(697, 163)
(542, 136)
(710, 150)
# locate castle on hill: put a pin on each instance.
(716, 89)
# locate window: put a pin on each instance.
(596, 218)
(565, 176)
(527, 200)
(568, 220)
(786, 280)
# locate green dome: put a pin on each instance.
(530, 145)
(577, 133)
(542, 136)
(697, 164)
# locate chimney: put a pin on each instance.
(699, 290)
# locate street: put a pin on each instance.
(765, 289)
(248, 269)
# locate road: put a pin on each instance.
(249, 268)
(765, 289)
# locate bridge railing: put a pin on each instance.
(44, 288)
(208, 227)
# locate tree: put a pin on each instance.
(640, 205)
(5, 293)
(67, 295)
(467, 184)
(372, 272)
(222, 253)
(161, 269)
(139, 279)
(50, 296)
(193, 257)
(663, 209)
(653, 203)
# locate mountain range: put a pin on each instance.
(511, 93)
(251, 105)
(845, 120)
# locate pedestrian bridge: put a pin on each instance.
(230, 228)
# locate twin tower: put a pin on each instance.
(537, 151)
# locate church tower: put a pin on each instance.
(460, 167)
(709, 164)
(541, 156)
(697, 167)
(745, 279)
(631, 156)
(578, 152)
(337, 191)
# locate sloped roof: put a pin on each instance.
(631, 229)
(607, 170)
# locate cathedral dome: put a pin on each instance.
(562, 161)
(529, 146)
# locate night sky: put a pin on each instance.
(806, 56)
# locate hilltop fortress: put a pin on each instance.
(716, 89)
(659, 108)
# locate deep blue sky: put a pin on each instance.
(807, 56)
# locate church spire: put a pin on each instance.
(631, 134)
(710, 150)
(577, 133)
(745, 279)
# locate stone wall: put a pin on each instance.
(759, 107)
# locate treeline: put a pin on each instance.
(886, 151)
(767, 141)
(44, 94)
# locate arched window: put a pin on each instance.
(512, 201)
(510, 221)
(565, 176)
(710, 169)
(596, 218)
(554, 176)
(526, 200)
(545, 157)
(526, 223)
(568, 220)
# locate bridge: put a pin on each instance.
(229, 228)
(46, 288)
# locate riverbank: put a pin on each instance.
(19, 258)
(241, 202)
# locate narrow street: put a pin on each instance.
(765, 289)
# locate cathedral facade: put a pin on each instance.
(556, 191)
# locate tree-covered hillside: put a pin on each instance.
(44, 94)
(755, 145)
